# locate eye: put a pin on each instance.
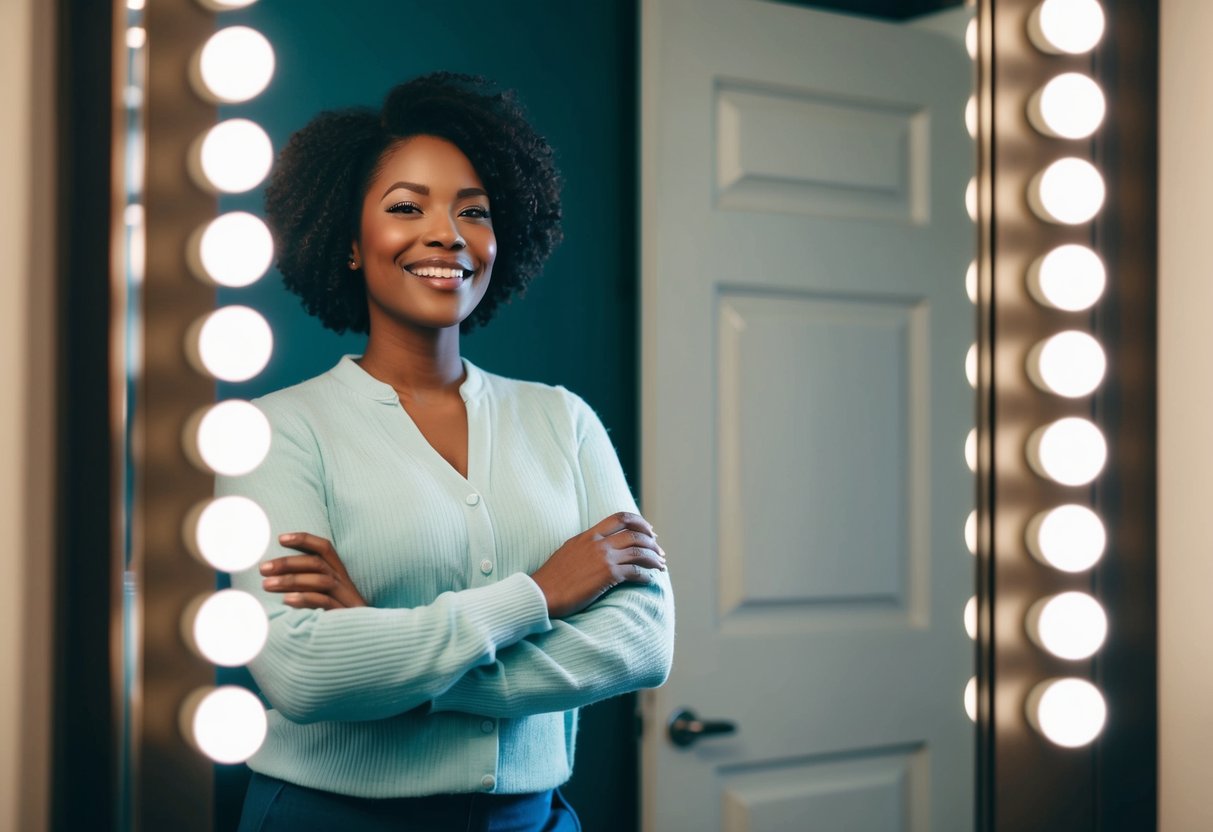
(478, 212)
(404, 208)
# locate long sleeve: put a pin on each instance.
(367, 663)
(623, 642)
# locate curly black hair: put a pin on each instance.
(313, 201)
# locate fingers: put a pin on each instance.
(294, 563)
(634, 573)
(311, 601)
(623, 520)
(314, 545)
(301, 582)
(628, 539)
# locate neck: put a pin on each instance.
(415, 363)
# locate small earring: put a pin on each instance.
(353, 263)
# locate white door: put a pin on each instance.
(804, 244)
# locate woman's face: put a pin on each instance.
(426, 244)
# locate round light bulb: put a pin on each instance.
(971, 282)
(234, 65)
(971, 449)
(229, 533)
(225, 5)
(1070, 364)
(1070, 538)
(232, 344)
(234, 249)
(971, 116)
(971, 532)
(971, 198)
(1069, 192)
(1070, 106)
(226, 628)
(971, 39)
(1068, 712)
(971, 366)
(971, 698)
(971, 617)
(232, 157)
(227, 724)
(1070, 451)
(136, 37)
(1070, 625)
(230, 438)
(1066, 27)
(1070, 278)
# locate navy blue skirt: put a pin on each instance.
(273, 805)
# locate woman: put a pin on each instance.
(460, 565)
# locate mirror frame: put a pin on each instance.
(1022, 780)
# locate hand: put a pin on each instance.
(316, 580)
(620, 549)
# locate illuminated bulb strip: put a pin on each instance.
(234, 65)
(230, 438)
(971, 282)
(1070, 625)
(1069, 364)
(230, 533)
(1068, 712)
(1070, 451)
(971, 366)
(227, 724)
(971, 532)
(1066, 27)
(971, 199)
(232, 157)
(1070, 191)
(1070, 106)
(1070, 538)
(970, 617)
(971, 116)
(971, 450)
(225, 5)
(971, 698)
(1070, 278)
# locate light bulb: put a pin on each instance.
(229, 533)
(226, 628)
(136, 37)
(971, 116)
(971, 366)
(1061, 27)
(1070, 364)
(233, 156)
(1070, 106)
(1070, 625)
(971, 198)
(234, 249)
(233, 343)
(971, 449)
(1069, 192)
(234, 65)
(227, 724)
(971, 617)
(1068, 712)
(1071, 451)
(971, 39)
(1070, 278)
(971, 532)
(971, 698)
(230, 438)
(225, 5)
(1070, 538)
(971, 282)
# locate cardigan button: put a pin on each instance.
(488, 781)
(486, 566)
(487, 726)
(472, 499)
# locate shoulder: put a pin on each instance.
(310, 407)
(566, 411)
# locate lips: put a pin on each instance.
(437, 268)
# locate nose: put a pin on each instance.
(442, 232)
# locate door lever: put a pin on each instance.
(685, 728)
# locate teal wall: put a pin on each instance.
(574, 65)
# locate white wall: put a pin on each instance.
(26, 420)
(1186, 418)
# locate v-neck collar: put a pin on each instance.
(352, 375)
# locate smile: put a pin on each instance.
(438, 271)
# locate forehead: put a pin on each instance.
(430, 161)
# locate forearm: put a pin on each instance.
(622, 643)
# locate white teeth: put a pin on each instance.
(435, 271)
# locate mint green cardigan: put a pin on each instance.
(454, 679)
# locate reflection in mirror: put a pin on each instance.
(797, 210)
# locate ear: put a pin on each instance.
(355, 259)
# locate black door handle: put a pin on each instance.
(686, 728)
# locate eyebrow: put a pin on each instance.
(424, 190)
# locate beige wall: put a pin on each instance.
(26, 423)
(1186, 418)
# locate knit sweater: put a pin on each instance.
(454, 679)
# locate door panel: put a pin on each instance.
(804, 323)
